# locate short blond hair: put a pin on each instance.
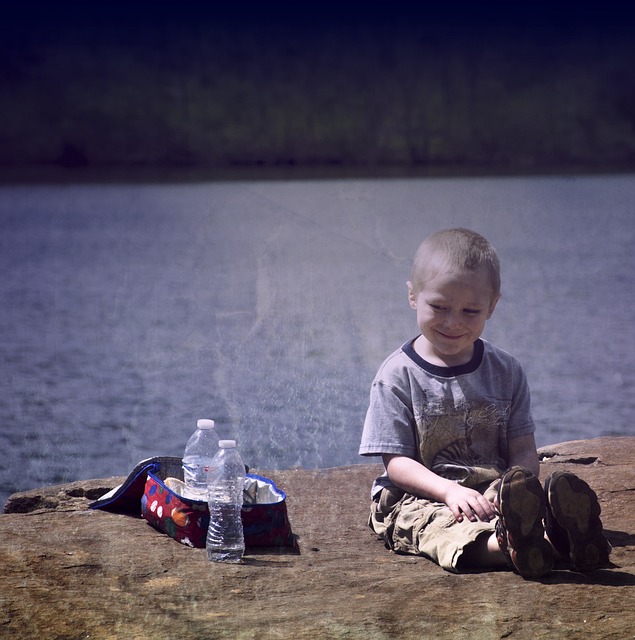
(455, 249)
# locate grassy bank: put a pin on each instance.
(217, 95)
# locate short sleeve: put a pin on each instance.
(520, 422)
(389, 426)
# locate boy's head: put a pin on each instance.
(454, 289)
(455, 250)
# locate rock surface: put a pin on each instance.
(69, 572)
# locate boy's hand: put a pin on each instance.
(414, 478)
(468, 503)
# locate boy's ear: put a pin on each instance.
(412, 298)
(493, 306)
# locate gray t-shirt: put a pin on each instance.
(454, 420)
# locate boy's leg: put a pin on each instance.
(521, 505)
(573, 522)
(413, 525)
(483, 553)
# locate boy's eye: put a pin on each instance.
(437, 307)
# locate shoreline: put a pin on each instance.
(147, 174)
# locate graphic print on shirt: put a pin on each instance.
(463, 441)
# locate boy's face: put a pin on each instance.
(452, 309)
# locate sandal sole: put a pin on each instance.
(522, 507)
(576, 509)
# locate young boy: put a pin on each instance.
(450, 415)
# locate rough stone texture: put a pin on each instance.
(73, 573)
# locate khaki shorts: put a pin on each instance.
(413, 525)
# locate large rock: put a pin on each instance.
(69, 572)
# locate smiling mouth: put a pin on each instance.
(448, 337)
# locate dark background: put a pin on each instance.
(356, 87)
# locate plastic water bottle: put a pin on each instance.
(199, 453)
(225, 536)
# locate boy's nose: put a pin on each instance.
(452, 319)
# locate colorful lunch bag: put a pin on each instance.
(152, 491)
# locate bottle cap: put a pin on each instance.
(227, 444)
(205, 424)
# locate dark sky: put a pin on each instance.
(503, 18)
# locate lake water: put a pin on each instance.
(129, 311)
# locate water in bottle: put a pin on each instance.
(225, 537)
(199, 453)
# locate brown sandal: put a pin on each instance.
(573, 522)
(521, 505)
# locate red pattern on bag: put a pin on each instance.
(186, 520)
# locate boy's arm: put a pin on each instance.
(522, 452)
(415, 478)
